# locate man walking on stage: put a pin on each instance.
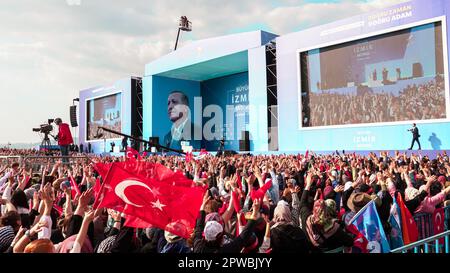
(64, 138)
(415, 131)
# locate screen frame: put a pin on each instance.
(441, 19)
(86, 115)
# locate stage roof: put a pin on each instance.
(223, 66)
(209, 58)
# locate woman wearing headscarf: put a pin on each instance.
(323, 229)
(285, 237)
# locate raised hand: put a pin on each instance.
(85, 198)
(206, 198)
(36, 200)
(115, 215)
(38, 228)
(89, 216)
(256, 206)
(293, 189)
(339, 188)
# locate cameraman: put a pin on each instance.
(64, 138)
(415, 132)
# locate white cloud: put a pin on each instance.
(51, 49)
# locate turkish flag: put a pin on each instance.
(156, 171)
(239, 180)
(236, 202)
(102, 168)
(131, 153)
(259, 194)
(97, 186)
(409, 227)
(161, 204)
(133, 221)
(148, 170)
(439, 222)
(143, 169)
(203, 152)
(74, 188)
(307, 154)
(359, 241)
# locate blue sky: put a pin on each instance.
(51, 49)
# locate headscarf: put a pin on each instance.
(320, 225)
(282, 214)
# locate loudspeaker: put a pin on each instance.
(245, 135)
(73, 116)
(244, 142)
(417, 70)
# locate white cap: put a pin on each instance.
(212, 229)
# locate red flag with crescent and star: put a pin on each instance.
(164, 205)
(439, 223)
(74, 186)
(131, 153)
(409, 227)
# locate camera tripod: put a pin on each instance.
(46, 141)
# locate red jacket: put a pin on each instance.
(64, 135)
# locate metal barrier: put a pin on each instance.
(424, 223)
(11, 158)
(429, 245)
(35, 162)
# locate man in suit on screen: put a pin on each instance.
(182, 127)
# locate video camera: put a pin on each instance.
(45, 128)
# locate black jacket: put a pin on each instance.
(289, 239)
(415, 132)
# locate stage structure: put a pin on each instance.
(215, 87)
(358, 84)
(118, 107)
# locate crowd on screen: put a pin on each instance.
(115, 125)
(288, 203)
(415, 102)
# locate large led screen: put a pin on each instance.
(393, 77)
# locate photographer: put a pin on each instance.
(415, 131)
(64, 138)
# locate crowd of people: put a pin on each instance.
(415, 102)
(288, 203)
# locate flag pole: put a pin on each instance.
(142, 140)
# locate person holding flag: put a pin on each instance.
(369, 224)
(320, 224)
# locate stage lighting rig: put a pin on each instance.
(184, 25)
